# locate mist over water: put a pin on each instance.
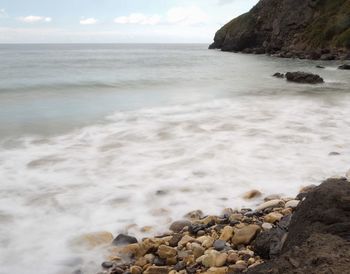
(90, 133)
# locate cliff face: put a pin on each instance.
(290, 27)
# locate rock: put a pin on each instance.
(237, 268)
(219, 245)
(236, 217)
(270, 204)
(123, 239)
(273, 217)
(194, 215)
(278, 75)
(165, 252)
(226, 233)
(159, 261)
(209, 260)
(320, 67)
(178, 226)
(107, 265)
(304, 78)
(272, 197)
(334, 153)
(245, 235)
(135, 270)
(157, 270)
(217, 270)
(220, 259)
(175, 239)
(93, 240)
(252, 194)
(266, 226)
(198, 251)
(292, 204)
(186, 239)
(232, 258)
(344, 67)
(304, 190)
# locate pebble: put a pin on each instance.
(178, 226)
(227, 233)
(292, 204)
(165, 252)
(273, 217)
(272, 197)
(252, 194)
(157, 270)
(185, 239)
(219, 245)
(245, 235)
(123, 239)
(107, 265)
(270, 204)
(266, 226)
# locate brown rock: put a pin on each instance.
(186, 239)
(226, 233)
(220, 259)
(135, 270)
(178, 226)
(157, 270)
(252, 194)
(165, 252)
(217, 270)
(245, 235)
(273, 217)
(232, 258)
(270, 204)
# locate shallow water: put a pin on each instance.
(90, 133)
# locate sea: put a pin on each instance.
(127, 138)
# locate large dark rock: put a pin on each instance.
(123, 239)
(304, 78)
(318, 238)
(293, 28)
(344, 67)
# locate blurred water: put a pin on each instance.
(90, 133)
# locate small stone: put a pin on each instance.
(123, 239)
(287, 211)
(273, 217)
(197, 250)
(180, 266)
(107, 265)
(171, 260)
(186, 239)
(221, 259)
(236, 268)
(226, 233)
(292, 204)
(157, 270)
(270, 204)
(266, 226)
(200, 233)
(209, 260)
(333, 153)
(165, 252)
(217, 270)
(175, 239)
(245, 235)
(159, 261)
(206, 241)
(178, 226)
(252, 194)
(278, 75)
(272, 197)
(232, 258)
(194, 215)
(236, 217)
(135, 270)
(142, 261)
(251, 261)
(219, 245)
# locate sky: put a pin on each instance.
(116, 21)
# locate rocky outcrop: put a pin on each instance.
(304, 78)
(313, 29)
(318, 238)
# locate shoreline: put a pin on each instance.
(244, 241)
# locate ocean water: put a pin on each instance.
(89, 135)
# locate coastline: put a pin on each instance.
(263, 240)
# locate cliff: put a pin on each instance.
(290, 28)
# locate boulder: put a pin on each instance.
(344, 67)
(304, 78)
(123, 239)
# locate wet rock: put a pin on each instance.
(165, 252)
(304, 78)
(226, 233)
(272, 197)
(292, 204)
(186, 239)
(278, 75)
(136, 270)
(175, 239)
(159, 261)
(195, 228)
(107, 265)
(304, 190)
(334, 153)
(232, 258)
(220, 259)
(245, 235)
(344, 67)
(266, 226)
(180, 266)
(123, 239)
(206, 241)
(273, 217)
(270, 204)
(219, 245)
(252, 194)
(157, 270)
(93, 240)
(217, 270)
(320, 67)
(178, 226)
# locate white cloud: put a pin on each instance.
(88, 21)
(190, 15)
(35, 19)
(138, 18)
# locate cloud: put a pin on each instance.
(35, 19)
(138, 18)
(191, 15)
(88, 21)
